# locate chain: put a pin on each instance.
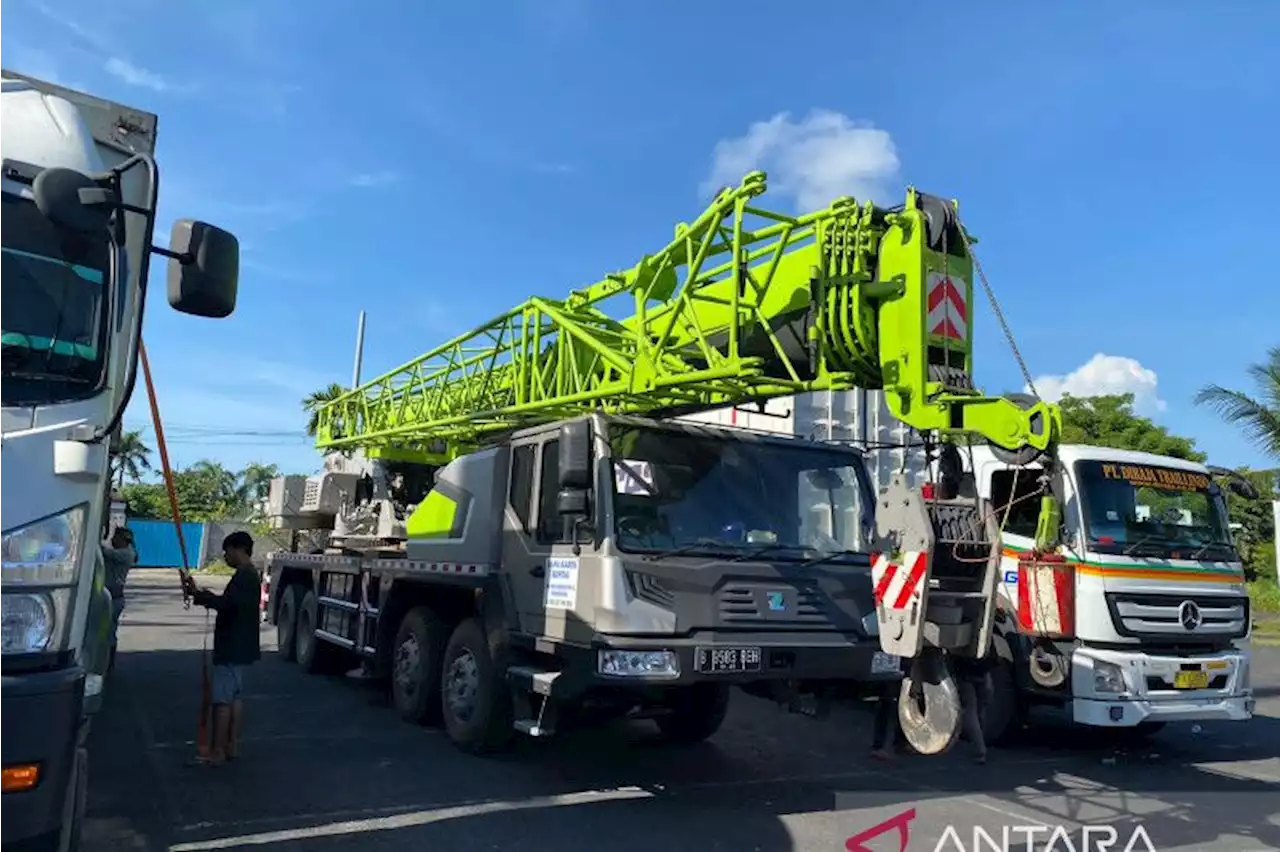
(995, 306)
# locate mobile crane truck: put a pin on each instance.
(80, 193)
(518, 540)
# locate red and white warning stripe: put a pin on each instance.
(898, 586)
(948, 311)
(1046, 599)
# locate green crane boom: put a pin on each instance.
(743, 305)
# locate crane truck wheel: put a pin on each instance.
(287, 624)
(315, 656)
(415, 666)
(694, 713)
(476, 701)
(998, 722)
(929, 704)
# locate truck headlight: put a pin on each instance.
(1107, 677)
(38, 573)
(656, 664)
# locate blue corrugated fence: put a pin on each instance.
(157, 543)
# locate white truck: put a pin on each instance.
(80, 199)
(1141, 619)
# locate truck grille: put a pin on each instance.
(743, 604)
(1179, 618)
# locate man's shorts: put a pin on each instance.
(227, 684)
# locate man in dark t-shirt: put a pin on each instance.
(235, 643)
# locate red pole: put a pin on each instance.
(202, 745)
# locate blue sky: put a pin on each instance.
(434, 164)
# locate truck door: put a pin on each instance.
(572, 585)
(522, 559)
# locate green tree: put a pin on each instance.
(316, 399)
(131, 458)
(255, 480)
(146, 501)
(1109, 421)
(1258, 416)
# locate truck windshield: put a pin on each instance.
(1145, 510)
(53, 332)
(709, 494)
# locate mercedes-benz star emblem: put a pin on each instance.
(1189, 615)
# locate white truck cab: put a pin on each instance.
(78, 215)
(1142, 617)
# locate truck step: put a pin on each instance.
(531, 728)
(532, 679)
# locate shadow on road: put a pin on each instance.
(326, 766)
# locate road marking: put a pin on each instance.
(415, 818)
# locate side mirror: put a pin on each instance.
(1242, 487)
(575, 455)
(572, 502)
(73, 200)
(204, 269)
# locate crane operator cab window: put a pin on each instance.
(54, 332)
(708, 495)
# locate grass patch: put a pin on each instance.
(216, 568)
(1265, 595)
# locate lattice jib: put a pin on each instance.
(744, 304)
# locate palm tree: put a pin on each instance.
(1259, 415)
(222, 484)
(131, 458)
(255, 480)
(316, 399)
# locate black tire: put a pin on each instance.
(315, 656)
(475, 699)
(1001, 717)
(415, 666)
(287, 624)
(694, 714)
(77, 800)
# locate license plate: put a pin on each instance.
(729, 659)
(1190, 680)
(882, 663)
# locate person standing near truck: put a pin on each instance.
(235, 642)
(118, 558)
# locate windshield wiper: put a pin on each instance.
(1151, 538)
(761, 550)
(1212, 544)
(696, 544)
(47, 375)
(830, 555)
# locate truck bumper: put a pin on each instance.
(1150, 692)
(43, 724)
(795, 656)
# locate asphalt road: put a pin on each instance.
(328, 767)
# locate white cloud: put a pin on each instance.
(127, 72)
(816, 160)
(367, 180)
(1104, 375)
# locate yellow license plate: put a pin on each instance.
(1190, 680)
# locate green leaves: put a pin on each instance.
(1109, 421)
